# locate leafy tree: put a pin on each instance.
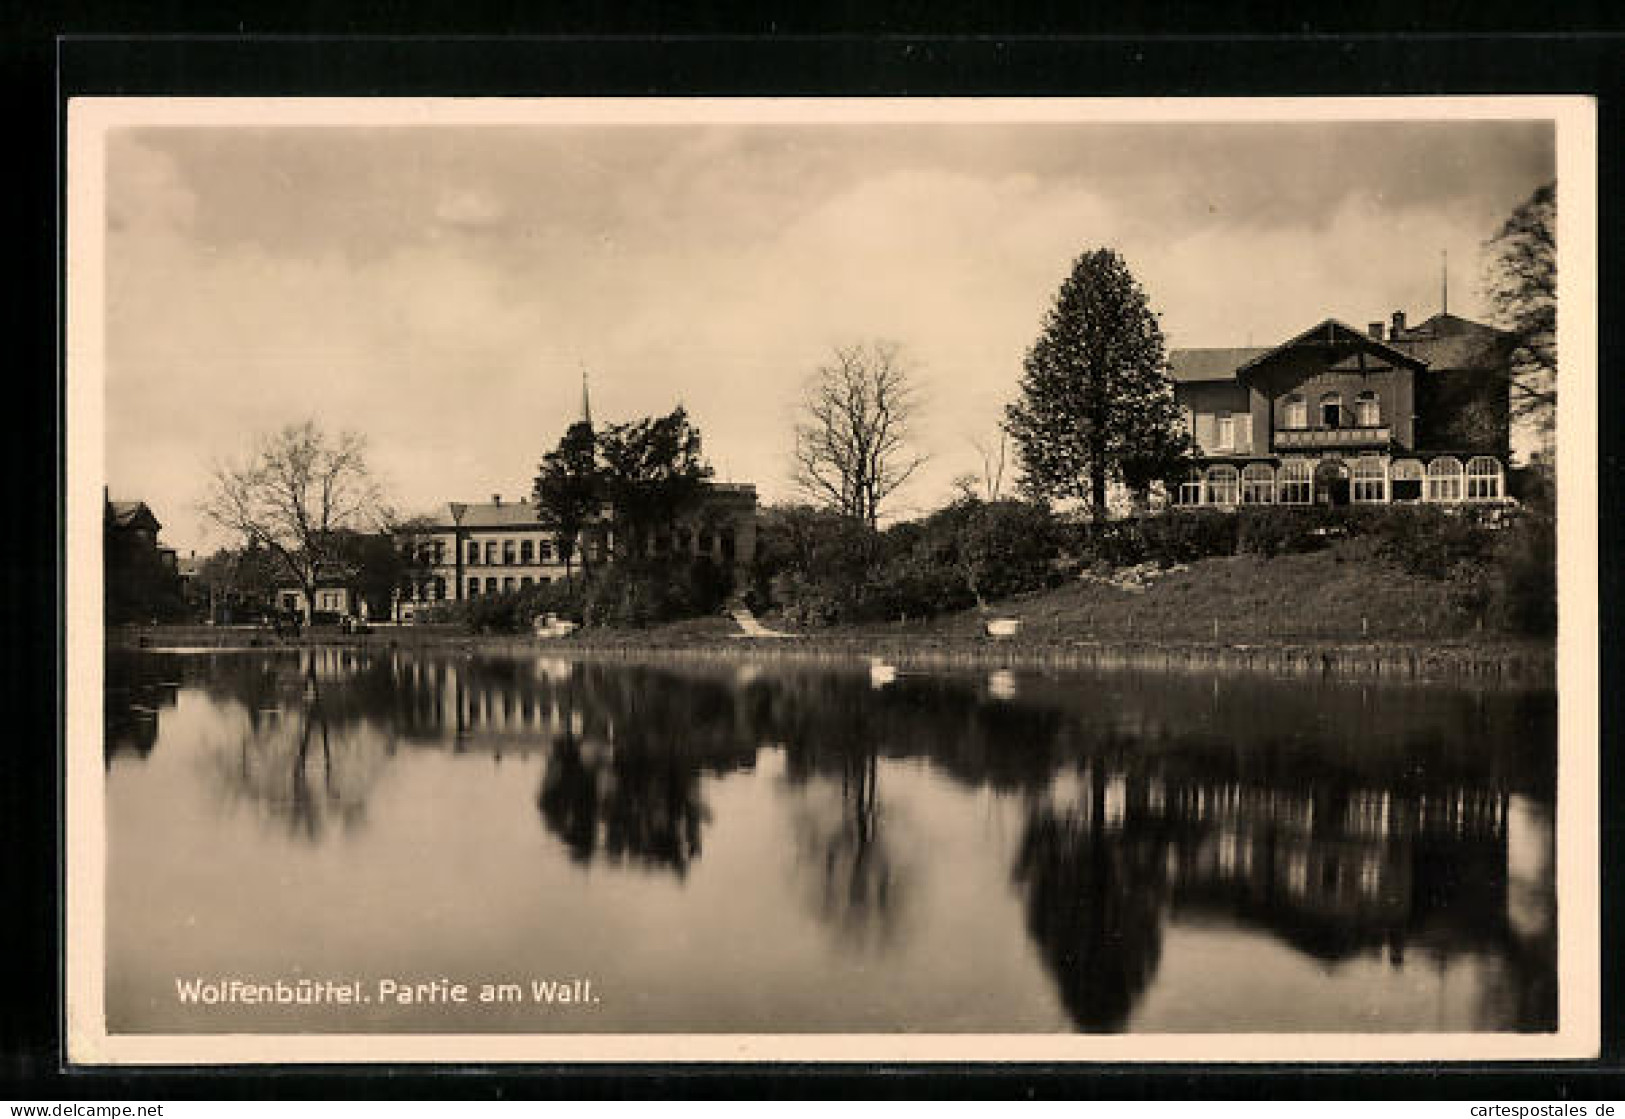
(569, 491)
(1097, 403)
(295, 495)
(652, 473)
(1521, 284)
(245, 577)
(851, 450)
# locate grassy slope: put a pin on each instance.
(1322, 596)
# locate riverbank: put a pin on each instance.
(1342, 612)
(1525, 663)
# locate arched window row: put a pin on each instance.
(1371, 480)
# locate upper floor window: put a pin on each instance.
(1226, 427)
(491, 552)
(507, 551)
(1331, 410)
(1188, 417)
(1297, 411)
(1367, 412)
(473, 552)
(526, 551)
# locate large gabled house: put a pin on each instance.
(1394, 413)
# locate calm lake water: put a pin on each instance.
(764, 849)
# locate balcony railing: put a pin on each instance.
(1307, 438)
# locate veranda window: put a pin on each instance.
(1444, 479)
(1190, 490)
(1226, 425)
(1257, 484)
(1369, 479)
(1221, 485)
(1405, 479)
(1294, 483)
(1483, 479)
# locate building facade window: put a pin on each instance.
(473, 588)
(1444, 479)
(1483, 479)
(1367, 410)
(490, 584)
(473, 553)
(508, 552)
(1369, 480)
(1224, 425)
(526, 551)
(1297, 412)
(1295, 484)
(439, 552)
(544, 551)
(1405, 480)
(524, 580)
(491, 553)
(1221, 485)
(1190, 490)
(1257, 484)
(439, 588)
(507, 583)
(1331, 410)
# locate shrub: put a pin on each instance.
(1429, 541)
(1525, 595)
(1278, 530)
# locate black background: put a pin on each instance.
(637, 50)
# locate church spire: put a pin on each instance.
(586, 402)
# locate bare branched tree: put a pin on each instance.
(1521, 283)
(852, 439)
(297, 496)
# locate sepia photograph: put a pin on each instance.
(827, 580)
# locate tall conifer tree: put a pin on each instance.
(1097, 402)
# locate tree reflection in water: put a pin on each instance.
(626, 806)
(1336, 820)
(1094, 898)
(627, 788)
(299, 764)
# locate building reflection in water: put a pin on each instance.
(1411, 824)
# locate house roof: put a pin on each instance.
(1211, 364)
(524, 513)
(1331, 328)
(1451, 342)
(490, 514)
(132, 514)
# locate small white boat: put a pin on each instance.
(881, 674)
(1003, 627)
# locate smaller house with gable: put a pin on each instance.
(1335, 415)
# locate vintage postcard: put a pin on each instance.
(924, 580)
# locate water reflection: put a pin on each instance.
(1348, 825)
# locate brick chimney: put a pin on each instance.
(1399, 324)
(1375, 330)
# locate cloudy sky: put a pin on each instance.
(440, 289)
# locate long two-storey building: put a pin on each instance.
(1394, 413)
(470, 549)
